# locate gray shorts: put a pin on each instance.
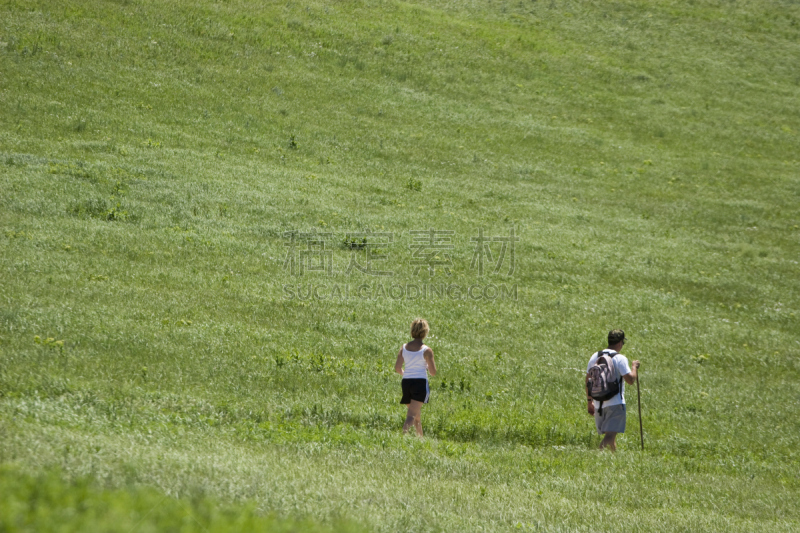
(612, 421)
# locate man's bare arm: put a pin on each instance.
(630, 379)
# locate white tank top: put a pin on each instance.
(415, 365)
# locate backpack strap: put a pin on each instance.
(619, 378)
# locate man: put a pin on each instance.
(612, 419)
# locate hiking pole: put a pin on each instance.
(639, 398)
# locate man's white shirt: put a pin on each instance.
(622, 368)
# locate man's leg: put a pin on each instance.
(609, 441)
(413, 417)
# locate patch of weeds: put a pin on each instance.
(387, 40)
(72, 169)
(119, 189)
(464, 385)
(292, 142)
(79, 126)
(94, 208)
(11, 234)
(99, 209)
(354, 244)
(326, 364)
(151, 143)
(414, 184)
(49, 342)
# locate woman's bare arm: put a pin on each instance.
(431, 362)
(398, 365)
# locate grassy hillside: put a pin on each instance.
(194, 200)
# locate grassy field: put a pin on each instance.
(197, 199)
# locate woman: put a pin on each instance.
(418, 360)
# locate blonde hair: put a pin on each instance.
(419, 328)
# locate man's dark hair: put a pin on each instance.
(615, 336)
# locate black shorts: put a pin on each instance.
(415, 389)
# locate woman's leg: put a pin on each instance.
(414, 417)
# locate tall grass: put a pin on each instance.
(155, 159)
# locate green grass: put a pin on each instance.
(153, 157)
(47, 503)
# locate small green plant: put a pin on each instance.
(11, 234)
(355, 244)
(119, 189)
(50, 342)
(116, 213)
(99, 209)
(292, 142)
(414, 184)
(79, 126)
(71, 169)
